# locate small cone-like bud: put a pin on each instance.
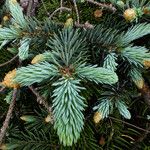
(8, 80)
(5, 18)
(129, 14)
(98, 13)
(97, 117)
(37, 59)
(146, 63)
(139, 83)
(68, 23)
(48, 119)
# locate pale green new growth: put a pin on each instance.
(123, 109)
(67, 109)
(36, 73)
(97, 74)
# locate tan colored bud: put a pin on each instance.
(37, 59)
(48, 119)
(5, 18)
(97, 117)
(68, 23)
(139, 83)
(8, 80)
(13, 1)
(146, 63)
(129, 14)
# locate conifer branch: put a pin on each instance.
(141, 138)
(41, 100)
(139, 128)
(107, 6)
(8, 116)
(8, 62)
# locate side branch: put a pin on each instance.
(147, 131)
(107, 6)
(8, 62)
(8, 116)
(77, 12)
(41, 100)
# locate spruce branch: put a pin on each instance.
(36, 73)
(17, 14)
(10, 61)
(9, 33)
(135, 55)
(8, 116)
(42, 100)
(67, 109)
(123, 109)
(105, 107)
(133, 33)
(110, 62)
(107, 6)
(141, 138)
(97, 74)
(139, 128)
(68, 48)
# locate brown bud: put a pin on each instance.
(98, 13)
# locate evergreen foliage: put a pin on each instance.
(76, 71)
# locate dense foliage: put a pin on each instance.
(75, 74)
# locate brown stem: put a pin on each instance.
(107, 6)
(8, 116)
(2, 89)
(8, 62)
(77, 12)
(130, 124)
(140, 139)
(86, 25)
(145, 90)
(61, 5)
(29, 8)
(41, 100)
(61, 8)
